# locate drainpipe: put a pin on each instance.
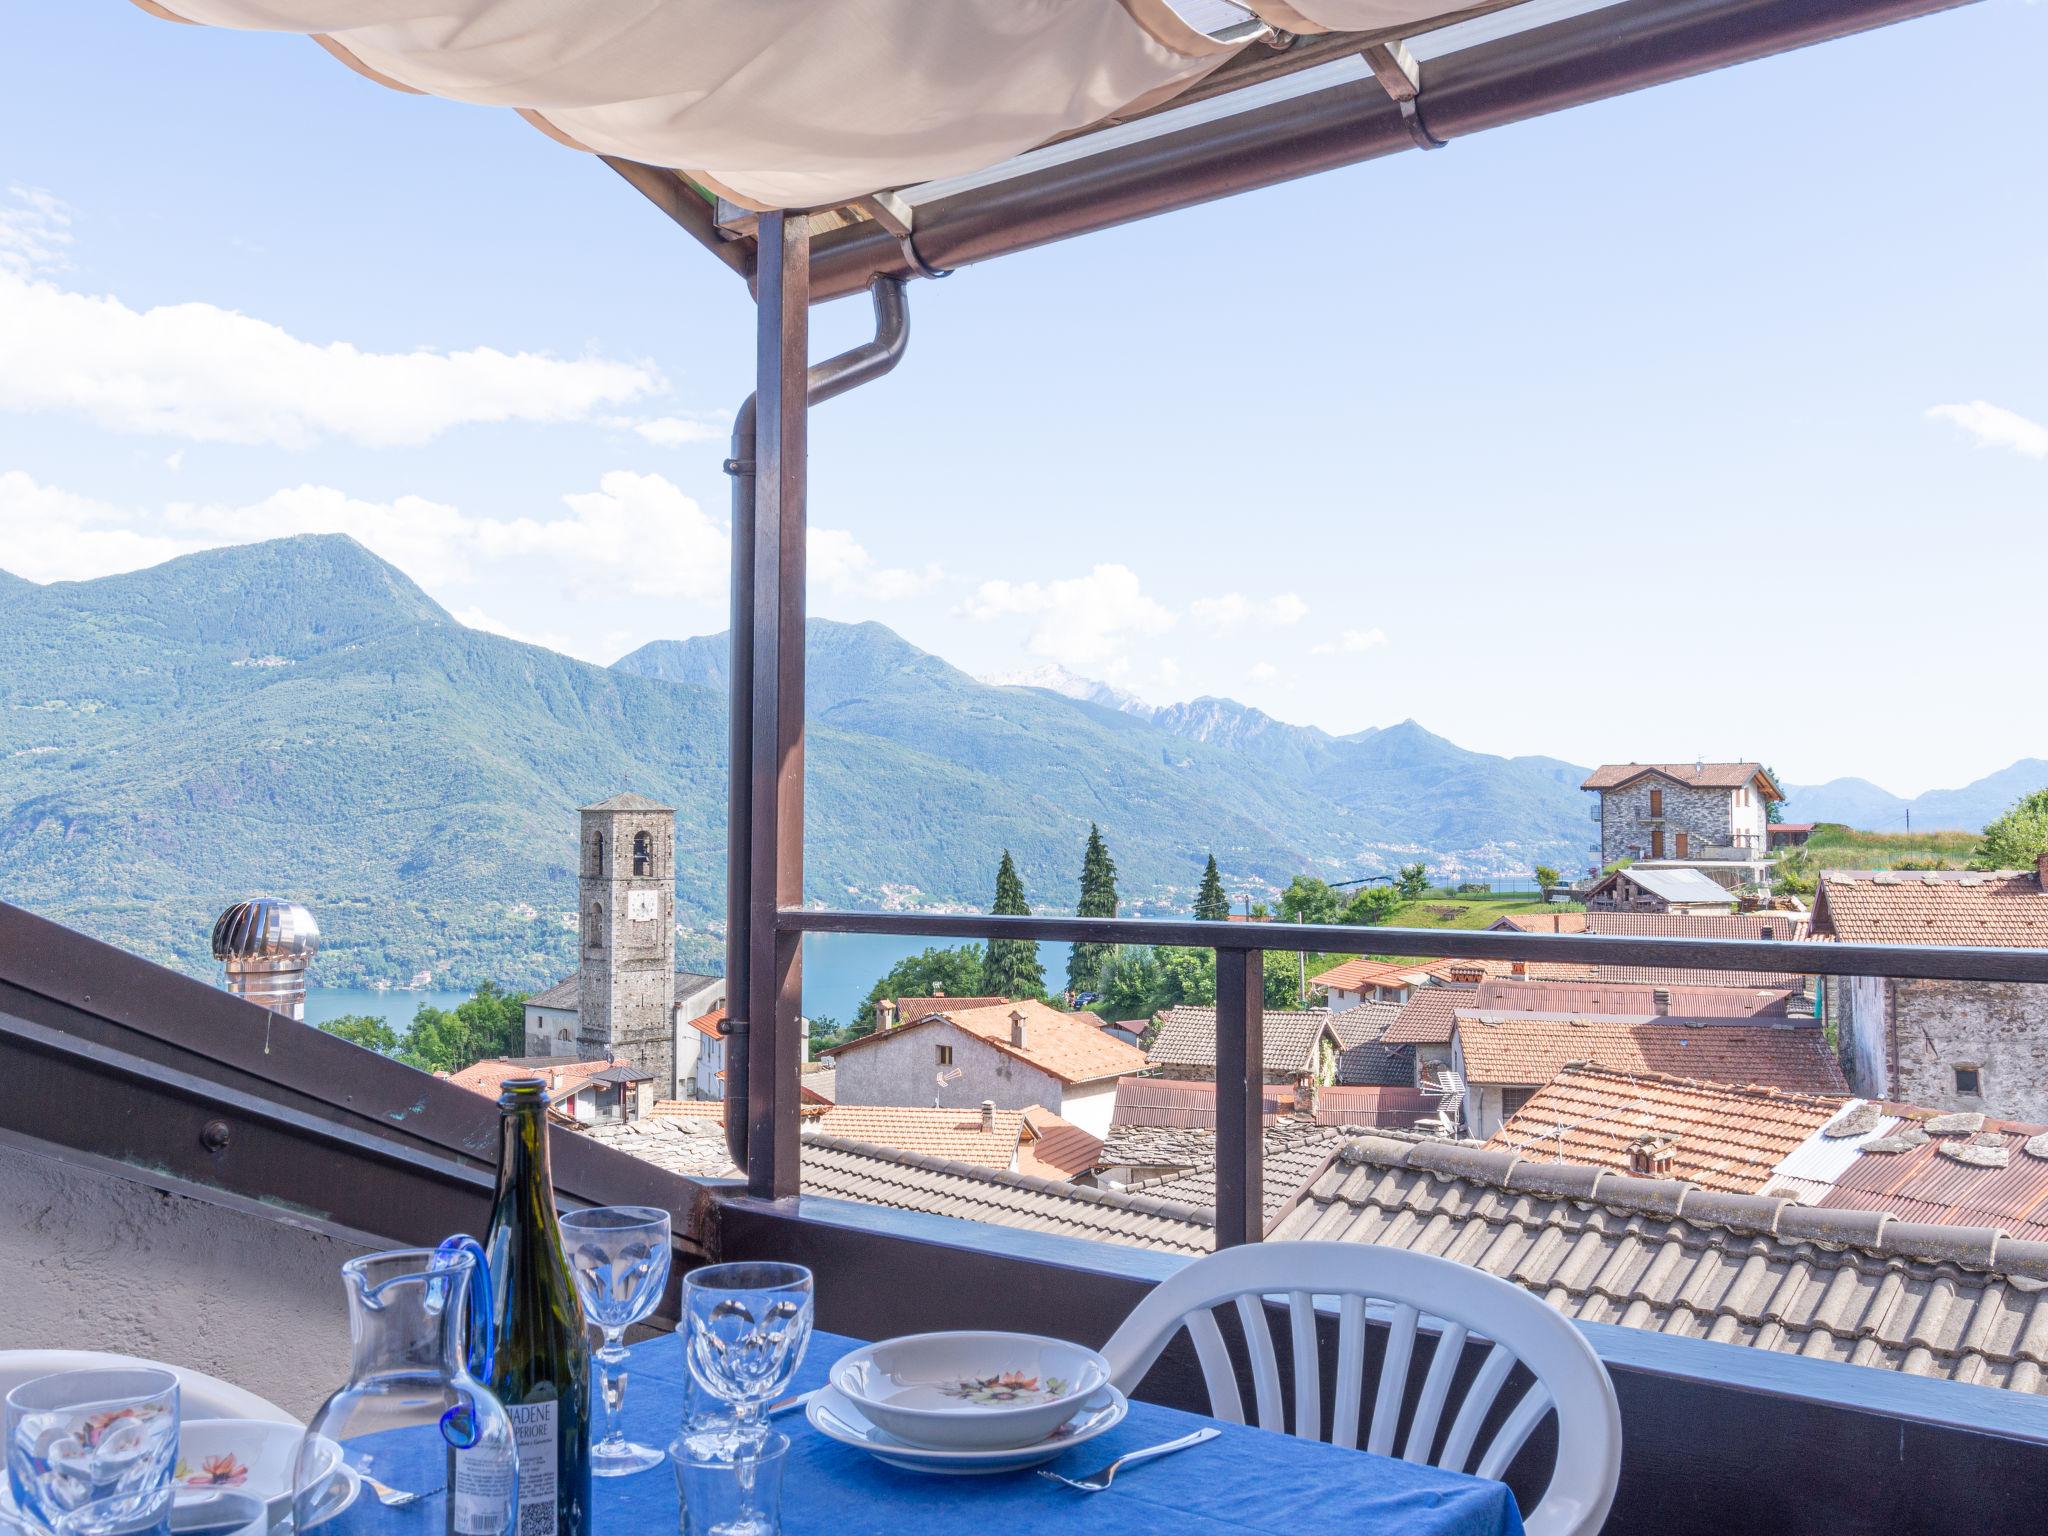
(826, 381)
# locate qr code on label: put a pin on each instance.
(537, 1520)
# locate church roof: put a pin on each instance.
(561, 995)
(628, 801)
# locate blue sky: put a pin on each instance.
(1709, 421)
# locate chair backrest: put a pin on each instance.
(1469, 1305)
(199, 1396)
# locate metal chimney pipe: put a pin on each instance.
(264, 946)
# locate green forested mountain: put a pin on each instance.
(298, 718)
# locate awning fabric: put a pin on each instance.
(784, 103)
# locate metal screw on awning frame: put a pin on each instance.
(214, 1136)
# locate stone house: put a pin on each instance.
(1639, 888)
(1709, 816)
(1301, 1045)
(1013, 1055)
(1949, 1045)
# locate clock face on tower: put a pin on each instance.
(643, 906)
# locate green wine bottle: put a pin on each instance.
(542, 1370)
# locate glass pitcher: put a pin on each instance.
(415, 1429)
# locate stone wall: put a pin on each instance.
(1999, 1028)
(90, 1260)
(1706, 816)
(626, 977)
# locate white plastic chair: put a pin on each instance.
(1468, 1302)
(199, 1396)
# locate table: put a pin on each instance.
(1245, 1480)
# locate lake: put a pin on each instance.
(839, 968)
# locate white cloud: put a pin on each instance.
(1993, 426)
(1351, 642)
(657, 540)
(547, 639)
(208, 374)
(1263, 672)
(35, 231)
(838, 564)
(1084, 621)
(1234, 609)
(675, 431)
(47, 534)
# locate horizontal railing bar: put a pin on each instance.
(1780, 957)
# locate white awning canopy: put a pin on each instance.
(800, 103)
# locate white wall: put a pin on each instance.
(902, 1068)
(1090, 1105)
(93, 1261)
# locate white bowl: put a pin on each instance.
(970, 1391)
(252, 1456)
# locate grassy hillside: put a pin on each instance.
(1833, 846)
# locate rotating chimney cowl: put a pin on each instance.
(265, 946)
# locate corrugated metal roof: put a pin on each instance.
(1676, 885)
(1938, 1188)
(1185, 1102)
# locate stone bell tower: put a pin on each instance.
(626, 975)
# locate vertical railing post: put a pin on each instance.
(776, 755)
(1240, 1097)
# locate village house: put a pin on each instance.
(1364, 980)
(1031, 1141)
(1301, 1044)
(598, 1092)
(1012, 1054)
(1661, 891)
(1711, 817)
(1952, 1045)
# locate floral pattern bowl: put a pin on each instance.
(970, 1391)
(249, 1456)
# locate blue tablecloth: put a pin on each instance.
(1245, 1480)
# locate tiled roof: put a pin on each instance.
(1180, 1101)
(954, 1134)
(910, 1009)
(1361, 972)
(911, 1182)
(1697, 775)
(1929, 1182)
(1540, 922)
(1187, 1038)
(627, 800)
(1296, 1151)
(1056, 1148)
(1070, 1047)
(2004, 909)
(1663, 1255)
(1515, 995)
(1722, 1137)
(1381, 1107)
(1366, 1060)
(1426, 1017)
(561, 995)
(1524, 1048)
(707, 1023)
(1789, 926)
(561, 1073)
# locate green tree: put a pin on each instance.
(956, 972)
(1130, 985)
(1774, 810)
(1211, 904)
(1413, 882)
(1087, 962)
(826, 1035)
(1372, 906)
(1010, 967)
(1185, 976)
(1794, 873)
(1309, 900)
(1546, 880)
(492, 1023)
(364, 1029)
(2016, 839)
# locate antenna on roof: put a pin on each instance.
(942, 1078)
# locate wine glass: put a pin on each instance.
(620, 1256)
(81, 1436)
(748, 1327)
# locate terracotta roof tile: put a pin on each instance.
(1524, 1048)
(1697, 775)
(954, 1134)
(1789, 926)
(1056, 1148)
(1360, 972)
(1540, 922)
(1070, 1047)
(1426, 1016)
(910, 1009)
(2004, 909)
(707, 1023)
(1723, 1137)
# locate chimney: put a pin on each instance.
(1308, 1095)
(265, 945)
(2041, 869)
(885, 1014)
(988, 1117)
(1465, 971)
(1660, 998)
(938, 991)
(1018, 1035)
(1649, 1157)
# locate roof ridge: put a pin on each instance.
(1144, 1205)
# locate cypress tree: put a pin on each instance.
(1010, 967)
(1211, 904)
(1098, 899)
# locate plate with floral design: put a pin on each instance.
(246, 1456)
(838, 1417)
(982, 1391)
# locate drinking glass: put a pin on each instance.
(121, 1515)
(714, 1500)
(81, 1437)
(620, 1256)
(748, 1327)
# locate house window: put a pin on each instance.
(1656, 802)
(1684, 842)
(1512, 1099)
(643, 854)
(1969, 1082)
(595, 937)
(945, 1053)
(597, 854)
(1657, 843)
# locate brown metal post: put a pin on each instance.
(776, 757)
(1240, 1097)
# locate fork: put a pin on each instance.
(1096, 1482)
(389, 1497)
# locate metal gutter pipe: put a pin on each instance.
(824, 381)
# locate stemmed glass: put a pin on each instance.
(748, 1327)
(620, 1255)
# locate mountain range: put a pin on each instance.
(298, 718)
(1860, 803)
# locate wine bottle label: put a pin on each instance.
(534, 1431)
(484, 1481)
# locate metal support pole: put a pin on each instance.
(1240, 1097)
(775, 769)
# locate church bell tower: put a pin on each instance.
(626, 974)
